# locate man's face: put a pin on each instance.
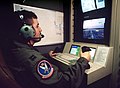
(37, 29)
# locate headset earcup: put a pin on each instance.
(27, 31)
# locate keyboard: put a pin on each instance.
(66, 58)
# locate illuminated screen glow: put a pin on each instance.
(89, 5)
(92, 53)
(93, 28)
(75, 50)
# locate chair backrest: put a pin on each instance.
(6, 78)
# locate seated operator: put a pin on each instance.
(29, 67)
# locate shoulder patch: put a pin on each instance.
(44, 69)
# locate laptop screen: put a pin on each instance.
(92, 53)
(75, 50)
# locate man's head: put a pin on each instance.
(27, 26)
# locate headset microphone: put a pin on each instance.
(37, 39)
(42, 36)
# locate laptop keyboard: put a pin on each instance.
(66, 58)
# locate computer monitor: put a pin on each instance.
(100, 4)
(94, 28)
(75, 50)
(98, 18)
(90, 5)
(92, 53)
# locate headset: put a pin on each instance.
(27, 31)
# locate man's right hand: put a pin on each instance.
(86, 55)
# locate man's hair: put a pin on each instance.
(21, 17)
(27, 14)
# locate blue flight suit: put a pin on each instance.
(28, 67)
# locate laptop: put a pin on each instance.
(71, 57)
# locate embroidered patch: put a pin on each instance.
(45, 69)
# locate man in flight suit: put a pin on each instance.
(30, 68)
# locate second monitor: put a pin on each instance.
(75, 50)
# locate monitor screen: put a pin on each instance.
(100, 4)
(75, 50)
(93, 28)
(89, 5)
(92, 53)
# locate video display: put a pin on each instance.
(89, 5)
(75, 50)
(93, 28)
(92, 53)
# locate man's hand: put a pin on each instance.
(52, 54)
(86, 55)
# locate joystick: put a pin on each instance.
(85, 49)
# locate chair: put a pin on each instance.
(6, 78)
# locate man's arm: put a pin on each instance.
(51, 74)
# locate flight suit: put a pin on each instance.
(32, 70)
